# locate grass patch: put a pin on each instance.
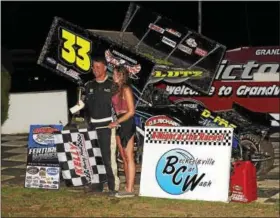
(18, 201)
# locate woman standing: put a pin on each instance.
(123, 103)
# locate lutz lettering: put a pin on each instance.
(177, 74)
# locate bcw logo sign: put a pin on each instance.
(177, 172)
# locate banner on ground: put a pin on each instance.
(186, 163)
(69, 50)
(80, 157)
(42, 169)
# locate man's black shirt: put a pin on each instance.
(99, 98)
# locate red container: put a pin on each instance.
(243, 182)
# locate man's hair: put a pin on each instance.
(99, 59)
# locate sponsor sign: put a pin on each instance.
(42, 135)
(42, 177)
(270, 51)
(182, 163)
(44, 156)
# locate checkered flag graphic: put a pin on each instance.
(189, 135)
(80, 157)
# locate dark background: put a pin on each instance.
(25, 25)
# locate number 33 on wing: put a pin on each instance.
(75, 50)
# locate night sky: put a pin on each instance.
(25, 25)
(234, 24)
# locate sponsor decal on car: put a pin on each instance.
(161, 120)
(206, 114)
(168, 41)
(200, 52)
(185, 49)
(173, 32)
(177, 73)
(176, 76)
(70, 72)
(51, 60)
(124, 57)
(115, 60)
(191, 42)
(156, 28)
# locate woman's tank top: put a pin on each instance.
(119, 104)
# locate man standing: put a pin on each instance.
(98, 100)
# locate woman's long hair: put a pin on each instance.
(123, 72)
(118, 88)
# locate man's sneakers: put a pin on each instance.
(125, 194)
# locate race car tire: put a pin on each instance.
(262, 167)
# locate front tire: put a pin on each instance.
(249, 143)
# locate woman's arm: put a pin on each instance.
(128, 95)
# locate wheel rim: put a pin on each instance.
(249, 146)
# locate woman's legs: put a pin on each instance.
(122, 153)
(129, 155)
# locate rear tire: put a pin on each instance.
(250, 142)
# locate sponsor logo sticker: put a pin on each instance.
(200, 52)
(113, 60)
(44, 135)
(51, 60)
(73, 74)
(170, 176)
(161, 120)
(156, 28)
(61, 68)
(173, 32)
(52, 171)
(32, 170)
(237, 188)
(191, 42)
(185, 49)
(169, 42)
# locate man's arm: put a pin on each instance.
(84, 98)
